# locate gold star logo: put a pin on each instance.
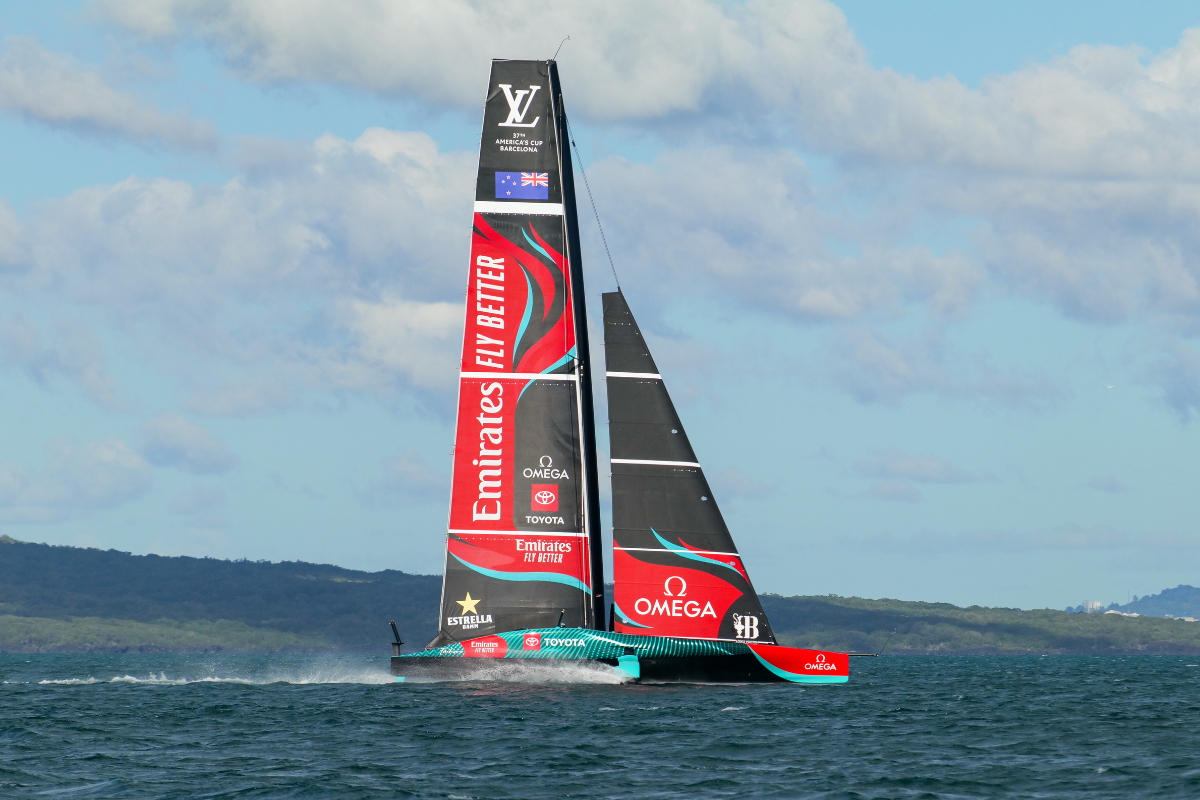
(468, 605)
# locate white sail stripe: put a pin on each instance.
(524, 376)
(662, 550)
(654, 375)
(519, 533)
(655, 463)
(509, 207)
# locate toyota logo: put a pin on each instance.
(544, 498)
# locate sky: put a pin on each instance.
(922, 277)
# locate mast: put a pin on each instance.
(587, 415)
(524, 500)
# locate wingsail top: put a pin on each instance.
(524, 516)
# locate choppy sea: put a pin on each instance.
(134, 726)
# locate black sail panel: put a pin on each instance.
(676, 569)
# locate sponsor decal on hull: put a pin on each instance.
(797, 664)
(485, 647)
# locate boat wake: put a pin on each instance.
(302, 676)
(514, 671)
(497, 673)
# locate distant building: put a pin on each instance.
(1092, 606)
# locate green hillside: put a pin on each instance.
(857, 625)
(76, 599)
(94, 634)
(316, 605)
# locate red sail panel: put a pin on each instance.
(519, 304)
(669, 599)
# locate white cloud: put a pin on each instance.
(1077, 171)
(98, 475)
(54, 89)
(894, 491)
(406, 478)
(171, 440)
(1098, 110)
(876, 368)
(12, 245)
(731, 482)
(920, 469)
(337, 246)
(1177, 376)
(407, 338)
(202, 506)
(299, 275)
(636, 60)
(746, 223)
(75, 354)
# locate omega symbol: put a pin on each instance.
(682, 586)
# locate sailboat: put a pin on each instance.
(524, 575)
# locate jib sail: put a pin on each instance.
(676, 569)
(524, 504)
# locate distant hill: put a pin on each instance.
(852, 624)
(1182, 601)
(76, 599)
(326, 606)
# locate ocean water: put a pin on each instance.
(133, 726)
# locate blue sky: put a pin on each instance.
(921, 276)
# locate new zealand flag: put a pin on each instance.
(522, 185)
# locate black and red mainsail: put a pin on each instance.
(524, 513)
(676, 569)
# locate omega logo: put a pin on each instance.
(676, 607)
(819, 663)
(546, 471)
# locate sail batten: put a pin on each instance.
(676, 569)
